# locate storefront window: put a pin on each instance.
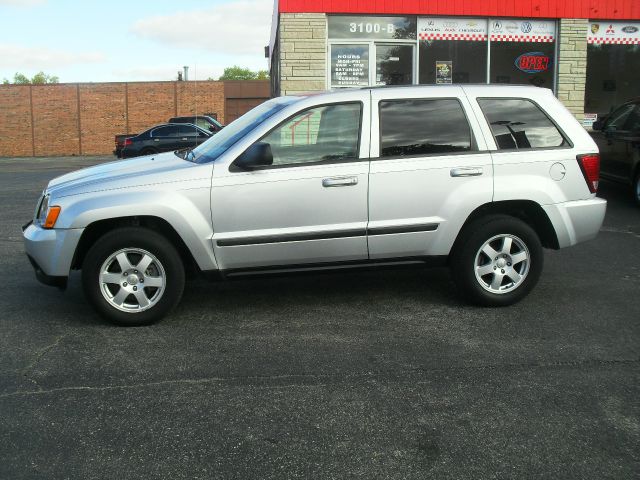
(452, 50)
(613, 47)
(371, 50)
(349, 66)
(522, 52)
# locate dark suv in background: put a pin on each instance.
(162, 138)
(205, 122)
(618, 138)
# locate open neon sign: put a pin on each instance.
(532, 62)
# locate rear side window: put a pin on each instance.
(518, 123)
(423, 127)
(165, 132)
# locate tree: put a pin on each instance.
(240, 73)
(38, 79)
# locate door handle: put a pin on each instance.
(184, 138)
(339, 182)
(466, 172)
(156, 139)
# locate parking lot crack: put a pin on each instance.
(620, 230)
(34, 363)
(296, 380)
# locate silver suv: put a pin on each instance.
(477, 177)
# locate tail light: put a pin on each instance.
(590, 166)
(127, 142)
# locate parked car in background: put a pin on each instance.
(161, 138)
(203, 121)
(477, 177)
(618, 138)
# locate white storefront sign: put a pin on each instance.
(456, 28)
(509, 30)
(621, 33)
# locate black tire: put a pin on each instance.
(149, 151)
(161, 300)
(466, 256)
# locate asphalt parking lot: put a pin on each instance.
(376, 374)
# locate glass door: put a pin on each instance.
(394, 64)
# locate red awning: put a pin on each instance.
(594, 9)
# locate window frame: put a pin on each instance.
(569, 144)
(474, 144)
(234, 168)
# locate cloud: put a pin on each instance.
(240, 27)
(17, 56)
(22, 3)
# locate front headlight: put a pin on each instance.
(41, 214)
(47, 215)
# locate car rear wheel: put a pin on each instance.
(636, 189)
(133, 276)
(496, 261)
(149, 151)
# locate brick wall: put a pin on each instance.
(15, 121)
(55, 120)
(82, 119)
(303, 52)
(572, 64)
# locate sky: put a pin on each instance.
(135, 40)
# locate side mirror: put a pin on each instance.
(598, 125)
(256, 156)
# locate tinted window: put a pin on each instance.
(633, 122)
(619, 117)
(518, 123)
(326, 133)
(187, 131)
(165, 132)
(423, 127)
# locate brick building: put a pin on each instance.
(586, 51)
(83, 118)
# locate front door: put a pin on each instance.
(310, 206)
(394, 64)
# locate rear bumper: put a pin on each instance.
(51, 252)
(578, 221)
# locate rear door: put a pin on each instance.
(166, 138)
(429, 169)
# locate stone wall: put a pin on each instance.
(303, 52)
(572, 64)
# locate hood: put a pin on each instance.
(151, 169)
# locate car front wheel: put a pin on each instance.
(497, 261)
(133, 276)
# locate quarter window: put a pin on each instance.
(321, 134)
(423, 127)
(520, 124)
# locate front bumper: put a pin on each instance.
(51, 252)
(577, 221)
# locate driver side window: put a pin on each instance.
(320, 134)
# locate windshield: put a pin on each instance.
(229, 135)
